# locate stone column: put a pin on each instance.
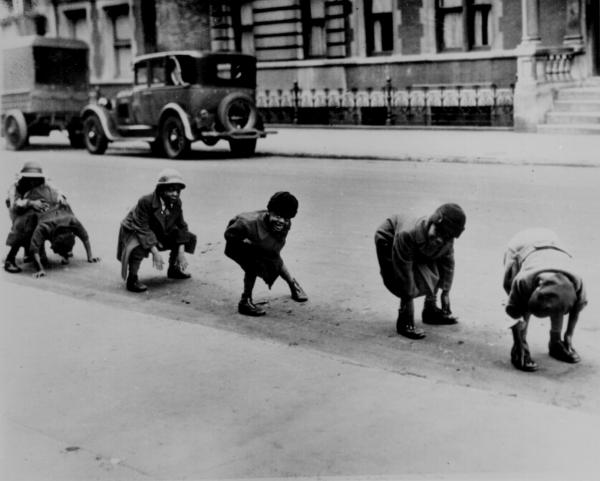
(573, 35)
(531, 22)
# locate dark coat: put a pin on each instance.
(147, 226)
(262, 255)
(409, 266)
(530, 253)
(24, 217)
(49, 221)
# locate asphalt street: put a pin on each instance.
(87, 353)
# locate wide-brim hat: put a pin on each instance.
(170, 177)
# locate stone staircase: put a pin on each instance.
(576, 110)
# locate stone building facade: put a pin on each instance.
(532, 47)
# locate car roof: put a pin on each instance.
(190, 53)
(38, 41)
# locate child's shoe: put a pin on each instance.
(248, 308)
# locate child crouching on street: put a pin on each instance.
(156, 224)
(540, 278)
(59, 226)
(254, 240)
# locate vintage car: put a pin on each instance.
(45, 84)
(180, 97)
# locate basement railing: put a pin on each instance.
(476, 104)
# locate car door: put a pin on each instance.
(141, 93)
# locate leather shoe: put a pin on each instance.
(436, 316)
(405, 325)
(10, 266)
(559, 350)
(298, 293)
(134, 285)
(248, 308)
(176, 273)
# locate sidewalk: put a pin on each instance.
(471, 146)
(91, 391)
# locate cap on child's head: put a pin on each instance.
(283, 204)
(32, 170)
(450, 220)
(554, 294)
(62, 241)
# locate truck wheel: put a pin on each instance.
(15, 130)
(243, 147)
(94, 137)
(174, 142)
(237, 112)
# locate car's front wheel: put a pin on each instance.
(94, 136)
(174, 142)
(243, 147)
(15, 130)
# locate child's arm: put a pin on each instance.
(88, 251)
(38, 264)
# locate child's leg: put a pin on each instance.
(249, 282)
(135, 261)
(10, 263)
(405, 325)
(246, 306)
(519, 354)
(298, 293)
(563, 351)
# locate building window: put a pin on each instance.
(379, 26)
(121, 39)
(77, 24)
(313, 28)
(463, 24)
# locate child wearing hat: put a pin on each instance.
(156, 224)
(27, 198)
(59, 226)
(541, 278)
(254, 240)
(416, 258)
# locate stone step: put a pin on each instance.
(577, 105)
(580, 93)
(573, 117)
(569, 129)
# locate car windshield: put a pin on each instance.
(61, 66)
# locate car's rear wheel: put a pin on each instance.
(237, 111)
(94, 136)
(174, 142)
(243, 147)
(15, 130)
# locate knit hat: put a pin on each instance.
(31, 169)
(555, 293)
(283, 204)
(449, 219)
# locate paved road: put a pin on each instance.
(349, 318)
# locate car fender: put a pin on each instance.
(185, 119)
(105, 120)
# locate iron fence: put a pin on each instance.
(485, 105)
